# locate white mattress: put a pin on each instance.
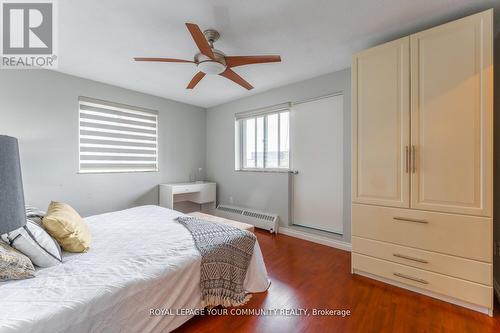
(140, 259)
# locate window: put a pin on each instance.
(116, 138)
(263, 139)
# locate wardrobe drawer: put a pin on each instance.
(471, 292)
(462, 268)
(458, 235)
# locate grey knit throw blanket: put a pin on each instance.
(226, 252)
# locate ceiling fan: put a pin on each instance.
(214, 62)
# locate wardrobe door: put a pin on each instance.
(380, 105)
(452, 117)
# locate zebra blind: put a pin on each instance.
(116, 137)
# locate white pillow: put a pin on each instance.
(36, 244)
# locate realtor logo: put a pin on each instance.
(28, 34)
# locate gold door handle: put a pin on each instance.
(408, 277)
(413, 159)
(407, 219)
(397, 255)
(407, 159)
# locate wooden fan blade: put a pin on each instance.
(162, 60)
(200, 40)
(233, 61)
(229, 74)
(197, 78)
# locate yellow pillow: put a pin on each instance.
(67, 227)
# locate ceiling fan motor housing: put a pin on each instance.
(211, 66)
(212, 36)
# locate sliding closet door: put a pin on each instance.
(317, 143)
(381, 125)
(452, 116)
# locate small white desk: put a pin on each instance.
(202, 193)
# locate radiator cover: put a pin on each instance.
(259, 219)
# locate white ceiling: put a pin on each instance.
(98, 39)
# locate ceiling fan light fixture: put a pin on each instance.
(214, 62)
(211, 67)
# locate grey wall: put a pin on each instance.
(40, 108)
(269, 191)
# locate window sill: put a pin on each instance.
(96, 172)
(264, 170)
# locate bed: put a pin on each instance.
(140, 260)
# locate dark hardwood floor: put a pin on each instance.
(309, 275)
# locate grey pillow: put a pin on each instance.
(14, 265)
(33, 241)
(34, 214)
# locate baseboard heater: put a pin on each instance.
(256, 218)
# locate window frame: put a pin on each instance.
(240, 138)
(82, 100)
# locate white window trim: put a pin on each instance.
(240, 140)
(151, 152)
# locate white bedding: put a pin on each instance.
(140, 259)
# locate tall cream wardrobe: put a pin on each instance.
(422, 186)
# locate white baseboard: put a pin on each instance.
(315, 238)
